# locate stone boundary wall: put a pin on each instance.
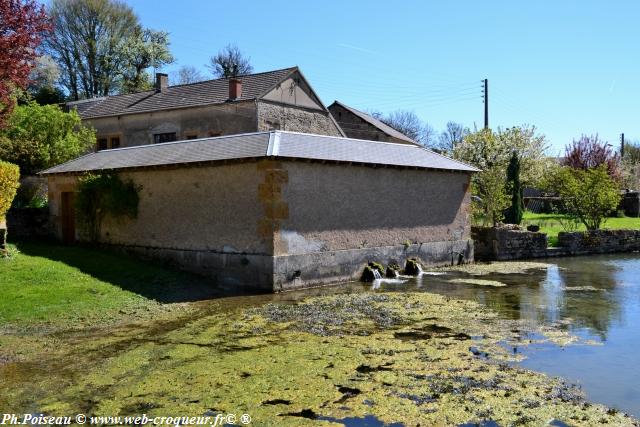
(26, 223)
(599, 241)
(510, 243)
(507, 243)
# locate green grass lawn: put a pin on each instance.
(49, 284)
(551, 224)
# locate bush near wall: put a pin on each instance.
(9, 183)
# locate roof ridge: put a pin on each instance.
(226, 78)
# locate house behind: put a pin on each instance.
(274, 100)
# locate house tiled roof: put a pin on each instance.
(377, 123)
(180, 96)
(274, 144)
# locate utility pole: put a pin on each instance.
(485, 85)
(622, 144)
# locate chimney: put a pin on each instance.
(235, 88)
(162, 82)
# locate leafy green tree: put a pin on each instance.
(101, 47)
(41, 136)
(145, 49)
(587, 194)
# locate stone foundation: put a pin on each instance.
(281, 273)
(320, 268)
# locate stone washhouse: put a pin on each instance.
(279, 210)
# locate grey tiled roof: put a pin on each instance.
(277, 144)
(377, 123)
(181, 96)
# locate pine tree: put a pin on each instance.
(513, 215)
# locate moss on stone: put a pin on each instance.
(411, 267)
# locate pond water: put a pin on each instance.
(596, 298)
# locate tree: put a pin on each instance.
(42, 86)
(101, 47)
(409, 124)
(187, 74)
(483, 152)
(40, 136)
(144, 49)
(9, 183)
(630, 166)
(590, 152)
(513, 215)
(23, 23)
(230, 62)
(587, 194)
(451, 136)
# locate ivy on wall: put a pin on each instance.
(102, 195)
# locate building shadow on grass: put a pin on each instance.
(146, 278)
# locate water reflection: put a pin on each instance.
(595, 297)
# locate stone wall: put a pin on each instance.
(600, 241)
(357, 128)
(28, 223)
(274, 116)
(507, 243)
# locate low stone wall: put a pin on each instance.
(599, 241)
(507, 243)
(27, 223)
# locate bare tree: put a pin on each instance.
(408, 123)
(451, 136)
(230, 62)
(187, 74)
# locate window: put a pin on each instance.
(159, 138)
(108, 142)
(191, 136)
(102, 144)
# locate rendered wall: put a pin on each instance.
(281, 225)
(339, 217)
(138, 129)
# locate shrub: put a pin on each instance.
(42, 136)
(9, 176)
(101, 195)
(588, 195)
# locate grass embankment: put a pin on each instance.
(551, 224)
(64, 286)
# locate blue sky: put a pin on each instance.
(568, 67)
